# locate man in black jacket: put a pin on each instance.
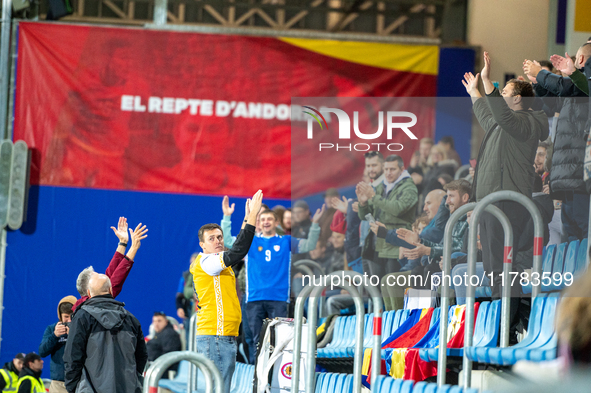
(29, 379)
(165, 340)
(505, 162)
(105, 351)
(566, 174)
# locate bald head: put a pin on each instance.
(432, 202)
(583, 54)
(99, 284)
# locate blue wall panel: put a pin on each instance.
(68, 230)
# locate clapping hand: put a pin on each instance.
(563, 64)
(340, 205)
(375, 226)
(121, 231)
(254, 205)
(407, 235)
(531, 69)
(470, 82)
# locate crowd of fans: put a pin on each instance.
(534, 144)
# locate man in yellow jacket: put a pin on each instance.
(30, 376)
(10, 373)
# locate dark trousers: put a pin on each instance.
(256, 312)
(379, 267)
(492, 240)
(575, 216)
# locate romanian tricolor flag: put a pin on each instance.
(401, 354)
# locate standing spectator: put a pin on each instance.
(448, 144)
(29, 379)
(106, 351)
(120, 265)
(164, 341)
(326, 219)
(286, 221)
(54, 343)
(301, 220)
(215, 283)
(279, 211)
(10, 373)
(505, 162)
(420, 157)
(393, 203)
(185, 297)
(267, 295)
(566, 175)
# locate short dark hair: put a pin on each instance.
(269, 211)
(372, 154)
(159, 314)
(547, 64)
(545, 145)
(65, 308)
(446, 177)
(31, 357)
(461, 185)
(397, 158)
(207, 227)
(525, 90)
(448, 140)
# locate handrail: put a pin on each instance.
(316, 292)
(537, 266)
(191, 346)
(447, 244)
(376, 298)
(459, 171)
(211, 373)
(312, 266)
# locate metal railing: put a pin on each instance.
(460, 171)
(213, 379)
(312, 268)
(316, 292)
(192, 347)
(472, 249)
(447, 245)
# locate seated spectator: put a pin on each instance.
(164, 341)
(450, 150)
(279, 211)
(10, 373)
(326, 219)
(301, 219)
(418, 165)
(439, 164)
(444, 179)
(54, 342)
(29, 379)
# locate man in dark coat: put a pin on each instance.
(165, 340)
(105, 351)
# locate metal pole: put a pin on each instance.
(297, 338)
(376, 364)
(312, 266)
(444, 310)
(160, 12)
(4, 62)
(359, 328)
(192, 347)
(537, 267)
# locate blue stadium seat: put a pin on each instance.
(547, 261)
(581, 263)
(319, 380)
(569, 266)
(179, 382)
(539, 343)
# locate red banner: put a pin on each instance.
(136, 109)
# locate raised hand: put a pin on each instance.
(121, 231)
(470, 82)
(485, 73)
(137, 235)
(226, 208)
(254, 205)
(361, 197)
(563, 64)
(340, 205)
(247, 208)
(318, 214)
(368, 190)
(355, 207)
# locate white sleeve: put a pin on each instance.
(213, 264)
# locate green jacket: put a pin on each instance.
(508, 150)
(395, 210)
(457, 240)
